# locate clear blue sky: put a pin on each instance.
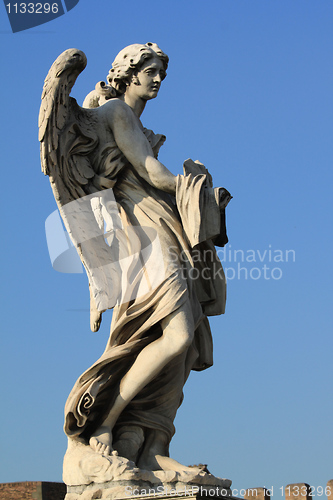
(249, 93)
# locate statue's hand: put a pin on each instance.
(197, 168)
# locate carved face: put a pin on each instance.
(147, 80)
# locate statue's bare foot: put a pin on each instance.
(101, 441)
(159, 462)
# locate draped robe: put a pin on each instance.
(184, 226)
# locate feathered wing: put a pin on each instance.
(61, 135)
(68, 137)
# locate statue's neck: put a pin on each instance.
(137, 104)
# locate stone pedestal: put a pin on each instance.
(191, 492)
(142, 490)
(91, 476)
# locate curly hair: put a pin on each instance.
(129, 60)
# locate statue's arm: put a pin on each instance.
(135, 146)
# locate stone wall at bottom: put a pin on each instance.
(32, 490)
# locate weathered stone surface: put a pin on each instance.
(89, 473)
(209, 487)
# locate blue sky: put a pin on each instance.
(248, 93)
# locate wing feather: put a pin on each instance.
(55, 96)
(66, 139)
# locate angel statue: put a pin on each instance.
(146, 239)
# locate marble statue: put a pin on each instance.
(146, 239)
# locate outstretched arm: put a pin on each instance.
(135, 146)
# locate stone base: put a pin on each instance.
(142, 491)
(91, 476)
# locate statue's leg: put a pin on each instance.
(178, 332)
(155, 455)
(128, 441)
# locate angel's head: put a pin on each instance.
(137, 68)
(136, 64)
